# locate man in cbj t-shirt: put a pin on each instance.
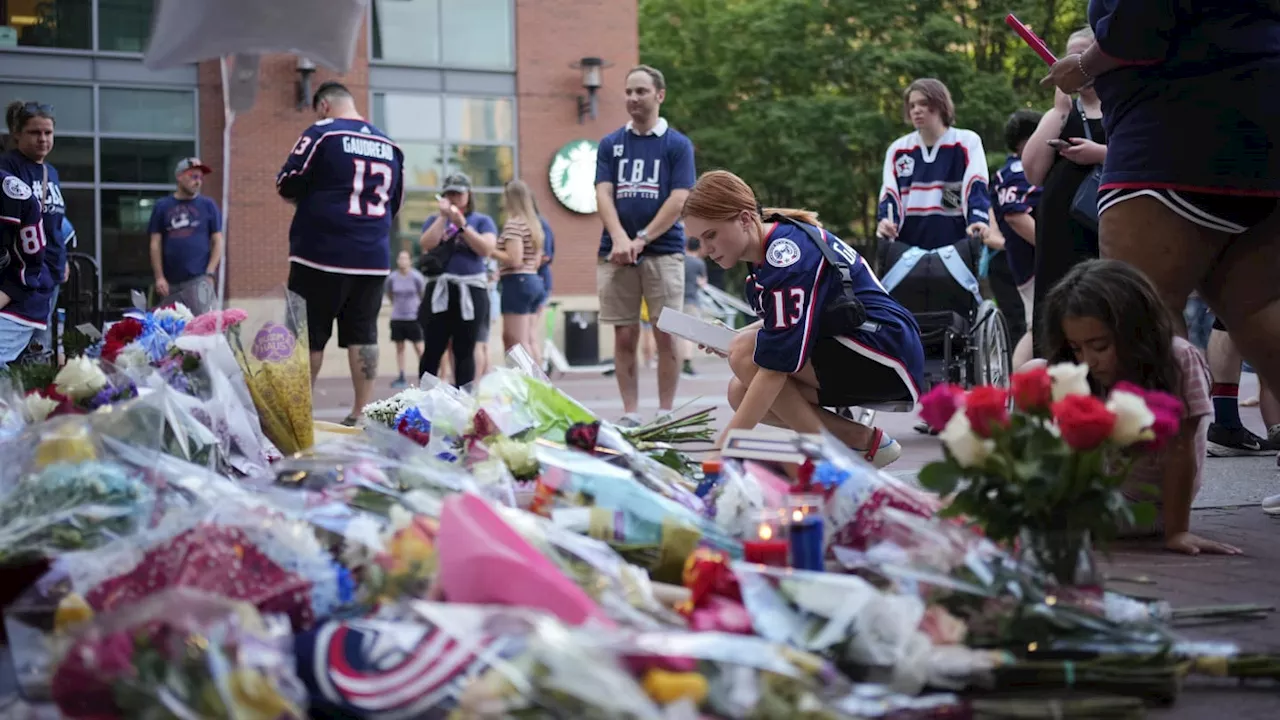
(186, 241)
(643, 174)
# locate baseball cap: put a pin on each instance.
(457, 182)
(191, 163)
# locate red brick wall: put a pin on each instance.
(258, 222)
(550, 35)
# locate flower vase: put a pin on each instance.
(1065, 558)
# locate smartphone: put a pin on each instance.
(1032, 40)
(1058, 144)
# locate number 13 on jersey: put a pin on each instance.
(379, 179)
(788, 307)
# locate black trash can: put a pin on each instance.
(582, 337)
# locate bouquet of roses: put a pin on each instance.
(81, 386)
(1049, 473)
(180, 653)
(144, 338)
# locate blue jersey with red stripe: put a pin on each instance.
(1204, 71)
(27, 279)
(347, 179)
(790, 289)
(1013, 195)
(933, 193)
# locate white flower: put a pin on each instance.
(1069, 379)
(1133, 418)
(966, 447)
(80, 379)
(177, 312)
(131, 356)
(38, 407)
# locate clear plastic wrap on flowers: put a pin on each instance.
(518, 403)
(270, 345)
(13, 413)
(729, 675)
(375, 469)
(166, 420)
(180, 653)
(595, 498)
(229, 405)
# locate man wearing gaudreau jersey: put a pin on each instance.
(347, 179)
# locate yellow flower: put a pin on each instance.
(667, 687)
(254, 697)
(67, 445)
(413, 548)
(73, 610)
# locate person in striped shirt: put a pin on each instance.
(519, 254)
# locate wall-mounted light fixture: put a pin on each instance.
(306, 69)
(592, 78)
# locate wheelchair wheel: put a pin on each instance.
(990, 347)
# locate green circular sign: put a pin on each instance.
(573, 176)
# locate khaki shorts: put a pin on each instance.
(659, 279)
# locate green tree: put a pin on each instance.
(803, 97)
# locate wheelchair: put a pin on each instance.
(966, 339)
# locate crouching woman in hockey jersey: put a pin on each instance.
(828, 334)
(26, 285)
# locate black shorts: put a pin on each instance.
(406, 331)
(847, 378)
(352, 300)
(1231, 214)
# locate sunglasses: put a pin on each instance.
(36, 108)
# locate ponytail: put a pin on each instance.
(808, 217)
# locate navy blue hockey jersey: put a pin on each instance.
(26, 279)
(933, 193)
(795, 282)
(347, 179)
(1013, 195)
(51, 200)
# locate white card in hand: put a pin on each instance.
(696, 330)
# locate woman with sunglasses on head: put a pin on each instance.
(31, 130)
(25, 282)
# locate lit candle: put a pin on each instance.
(806, 532)
(770, 544)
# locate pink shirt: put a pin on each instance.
(1198, 406)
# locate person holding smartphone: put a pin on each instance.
(1065, 148)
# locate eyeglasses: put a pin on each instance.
(36, 108)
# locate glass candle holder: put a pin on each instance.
(805, 531)
(768, 545)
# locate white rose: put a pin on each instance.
(1069, 379)
(132, 356)
(1133, 418)
(966, 447)
(80, 379)
(38, 407)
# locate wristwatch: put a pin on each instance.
(643, 236)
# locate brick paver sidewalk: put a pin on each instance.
(1200, 581)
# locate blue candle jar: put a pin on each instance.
(806, 531)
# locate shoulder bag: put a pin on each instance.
(1084, 206)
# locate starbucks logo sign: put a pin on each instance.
(573, 176)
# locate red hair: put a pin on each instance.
(719, 195)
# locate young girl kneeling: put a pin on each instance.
(805, 354)
(1105, 314)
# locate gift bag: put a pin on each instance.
(272, 349)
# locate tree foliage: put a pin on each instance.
(803, 97)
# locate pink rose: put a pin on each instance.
(941, 627)
(939, 404)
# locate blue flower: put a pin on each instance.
(828, 475)
(171, 325)
(346, 584)
(413, 416)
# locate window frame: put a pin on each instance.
(443, 64)
(95, 27)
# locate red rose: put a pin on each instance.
(987, 408)
(1032, 389)
(939, 404)
(119, 335)
(1084, 420)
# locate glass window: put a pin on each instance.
(409, 117)
(418, 205)
(72, 106)
(407, 31)
(73, 156)
(423, 164)
(478, 33)
(81, 213)
(488, 165)
(124, 25)
(143, 161)
(126, 259)
(49, 23)
(147, 112)
(490, 204)
(480, 119)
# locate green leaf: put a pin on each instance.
(940, 477)
(1144, 514)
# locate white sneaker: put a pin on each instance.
(1271, 505)
(630, 420)
(885, 450)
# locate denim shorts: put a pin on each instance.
(14, 338)
(521, 293)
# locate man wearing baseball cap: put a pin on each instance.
(186, 241)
